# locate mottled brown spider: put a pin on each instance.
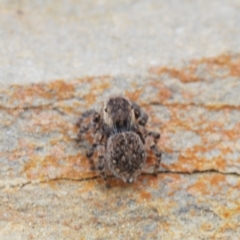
(120, 138)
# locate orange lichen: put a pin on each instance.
(28, 166)
(223, 61)
(211, 65)
(144, 195)
(189, 163)
(97, 89)
(207, 227)
(228, 226)
(134, 95)
(164, 93)
(152, 181)
(186, 75)
(61, 89)
(175, 183)
(210, 184)
(200, 187)
(46, 121)
(227, 212)
(217, 180)
(233, 133)
(24, 148)
(24, 94)
(57, 166)
(88, 187)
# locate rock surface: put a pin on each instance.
(179, 60)
(48, 191)
(48, 40)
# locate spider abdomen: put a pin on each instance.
(125, 155)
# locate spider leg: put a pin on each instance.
(83, 128)
(101, 164)
(97, 140)
(85, 114)
(89, 156)
(152, 138)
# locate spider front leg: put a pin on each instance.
(84, 127)
(101, 163)
(97, 140)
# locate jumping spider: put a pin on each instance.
(120, 138)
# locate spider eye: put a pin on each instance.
(105, 110)
(96, 118)
(137, 113)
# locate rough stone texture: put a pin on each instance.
(142, 49)
(48, 192)
(48, 40)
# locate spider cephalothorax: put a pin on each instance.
(118, 114)
(120, 138)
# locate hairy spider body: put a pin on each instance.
(125, 155)
(120, 138)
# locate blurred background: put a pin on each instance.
(67, 39)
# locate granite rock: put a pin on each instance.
(48, 192)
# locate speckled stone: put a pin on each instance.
(49, 40)
(48, 191)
